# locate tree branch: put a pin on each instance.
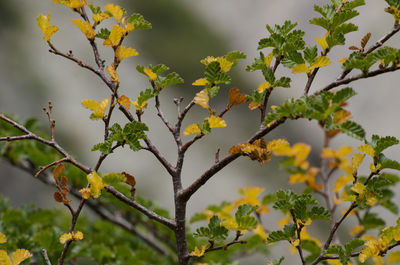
(152, 215)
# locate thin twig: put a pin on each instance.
(152, 215)
(43, 168)
(46, 256)
(298, 230)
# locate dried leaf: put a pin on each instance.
(58, 197)
(64, 181)
(130, 180)
(365, 40)
(58, 170)
(354, 48)
(202, 99)
(236, 98)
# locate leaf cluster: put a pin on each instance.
(130, 134)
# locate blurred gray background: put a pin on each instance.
(184, 32)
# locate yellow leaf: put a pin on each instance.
(295, 243)
(193, 128)
(200, 82)
(356, 162)
(96, 184)
(320, 62)
(344, 151)
(44, 25)
(393, 257)
(268, 59)
(284, 221)
(342, 182)
(235, 98)
(259, 230)
(75, 4)
(115, 36)
(113, 73)
(279, 147)
(124, 101)
(3, 238)
(127, 26)
(90, 104)
(208, 60)
(296, 178)
(20, 255)
(123, 52)
(250, 196)
(65, 237)
(76, 236)
(198, 253)
(116, 11)
(141, 106)
(301, 152)
(85, 193)
(224, 64)
(264, 86)
(369, 150)
(342, 60)
(85, 27)
(322, 42)
(216, 122)
(100, 17)
(202, 99)
(152, 76)
(4, 258)
(356, 230)
(358, 188)
(341, 116)
(371, 198)
(300, 68)
(99, 108)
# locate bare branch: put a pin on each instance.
(46, 256)
(152, 215)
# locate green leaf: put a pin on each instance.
(312, 247)
(319, 213)
(214, 75)
(139, 22)
(310, 54)
(246, 223)
(283, 82)
(244, 210)
(169, 80)
(372, 221)
(292, 59)
(269, 75)
(300, 209)
(105, 147)
(213, 91)
(94, 9)
(382, 143)
(352, 129)
(395, 3)
(343, 95)
(268, 199)
(275, 261)
(352, 245)
(103, 34)
(234, 56)
(133, 132)
(388, 163)
(287, 233)
(146, 95)
(113, 178)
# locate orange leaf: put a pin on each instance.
(124, 101)
(58, 170)
(235, 98)
(58, 197)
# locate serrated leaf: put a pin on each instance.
(85, 27)
(116, 11)
(365, 40)
(169, 80)
(123, 52)
(286, 234)
(310, 54)
(138, 21)
(198, 217)
(103, 34)
(113, 178)
(133, 132)
(19, 256)
(381, 143)
(292, 59)
(282, 82)
(343, 95)
(193, 128)
(353, 245)
(236, 98)
(244, 210)
(202, 99)
(388, 163)
(115, 36)
(353, 129)
(319, 213)
(246, 223)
